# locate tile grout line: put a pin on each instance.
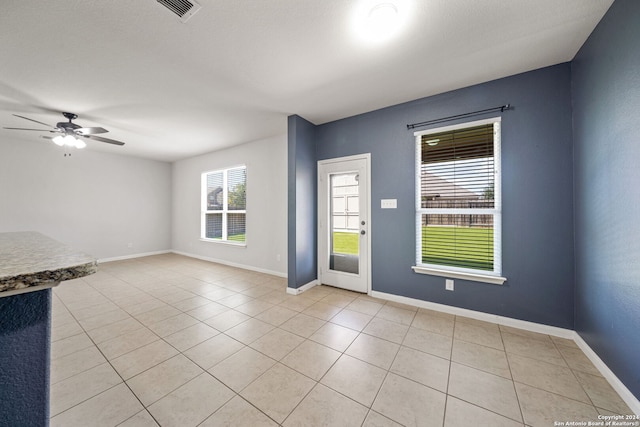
(112, 367)
(145, 408)
(327, 371)
(193, 273)
(513, 380)
(573, 374)
(446, 394)
(235, 394)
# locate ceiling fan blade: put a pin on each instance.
(39, 130)
(90, 131)
(31, 120)
(101, 139)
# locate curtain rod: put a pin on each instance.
(458, 116)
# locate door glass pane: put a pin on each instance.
(344, 248)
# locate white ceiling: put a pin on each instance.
(238, 68)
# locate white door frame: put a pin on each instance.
(322, 216)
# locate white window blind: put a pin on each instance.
(458, 202)
(224, 205)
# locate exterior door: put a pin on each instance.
(343, 222)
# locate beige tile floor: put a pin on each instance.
(173, 341)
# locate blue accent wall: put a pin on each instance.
(537, 185)
(24, 359)
(606, 102)
(302, 210)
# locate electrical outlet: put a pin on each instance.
(449, 284)
(129, 245)
(278, 257)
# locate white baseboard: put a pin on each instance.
(617, 385)
(478, 315)
(301, 289)
(231, 264)
(613, 380)
(218, 261)
(140, 255)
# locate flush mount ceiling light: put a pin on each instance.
(382, 17)
(378, 21)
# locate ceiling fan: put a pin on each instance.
(70, 134)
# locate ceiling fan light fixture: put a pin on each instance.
(69, 133)
(69, 141)
(58, 140)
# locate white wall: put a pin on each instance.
(266, 162)
(95, 202)
(99, 203)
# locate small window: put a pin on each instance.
(458, 199)
(224, 205)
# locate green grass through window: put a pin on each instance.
(232, 237)
(467, 247)
(345, 243)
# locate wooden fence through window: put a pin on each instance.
(458, 220)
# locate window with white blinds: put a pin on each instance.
(224, 205)
(458, 198)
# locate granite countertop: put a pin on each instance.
(30, 261)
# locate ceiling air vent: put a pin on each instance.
(185, 9)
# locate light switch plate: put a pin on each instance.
(388, 203)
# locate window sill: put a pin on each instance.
(225, 242)
(495, 280)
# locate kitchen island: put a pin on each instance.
(30, 264)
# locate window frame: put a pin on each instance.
(225, 211)
(486, 276)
